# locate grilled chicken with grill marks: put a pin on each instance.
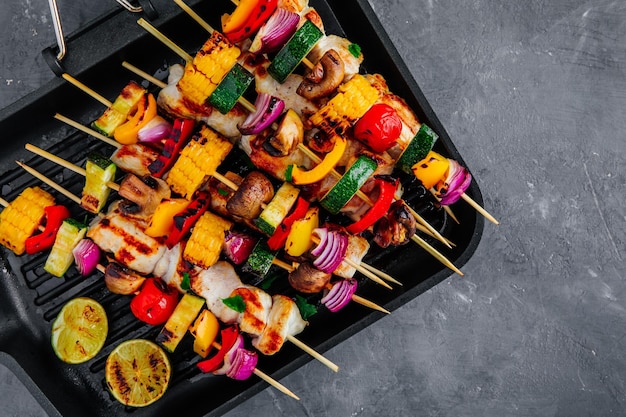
(284, 319)
(258, 304)
(135, 158)
(172, 267)
(214, 284)
(125, 239)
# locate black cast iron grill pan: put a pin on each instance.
(31, 298)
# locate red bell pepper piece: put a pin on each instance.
(155, 302)
(181, 131)
(188, 217)
(44, 240)
(262, 11)
(277, 240)
(387, 188)
(229, 337)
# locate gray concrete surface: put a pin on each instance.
(533, 94)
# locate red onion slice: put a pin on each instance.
(331, 250)
(458, 180)
(230, 356)
(268, 109)
(86, 255)
(243, 364)
(339, 295)
(155, 130)
(275, 32)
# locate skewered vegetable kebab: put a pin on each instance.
(304, 39)
(449, 181)
(335, 300)
(149, 198)
(240, 363)
(115, 232)
(190, 172)
(418, 240)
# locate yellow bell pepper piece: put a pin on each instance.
(127, 133)
(301, 177)
(431, 169)
(204, 330)
(299, 239)
(234, 21)
(162, 221)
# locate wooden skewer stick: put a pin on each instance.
(436, 254)
(164, 39)
(479, 209)
(144, 74)
(86, 89)
(86, 130)
(77, 200)
(65, 164)
(48, 181)
(313, 353)
(357, 299)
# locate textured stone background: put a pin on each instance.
(533, 95)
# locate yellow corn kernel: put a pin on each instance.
(198, 160)
(207, 238)
(20, 219)
(351, 102)
(195, 86)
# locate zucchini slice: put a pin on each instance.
(99, 171)
(298, 47)
(417, 149)
(260, 260)
(61, 257)
(121, 108)
(277, 209)
(234, 84)
(348, 184)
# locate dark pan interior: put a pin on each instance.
(30, 298)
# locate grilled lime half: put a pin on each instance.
(137, 372)
(80, 330)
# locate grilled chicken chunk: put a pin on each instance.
(146, 191)
(284, 319)
(342, 47)
(172, 267)
(258, 304)
(357, 249)
(214, 284)
(135, 158)
(125, 239)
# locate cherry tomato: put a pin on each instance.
(155, 302)
(379, 127)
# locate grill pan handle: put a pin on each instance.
(54, 60)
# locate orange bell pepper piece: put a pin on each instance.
(431, 169)
(127, 133)
(301, 177)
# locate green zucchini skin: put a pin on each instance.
(348, 184)
(296, 49)
(417, 149)
(260, 260)
(230, 89)
(277, 209)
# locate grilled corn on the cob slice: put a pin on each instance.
(351, 102)
(198, 160)
(20, 219)
(210, 65)
(207, 238)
